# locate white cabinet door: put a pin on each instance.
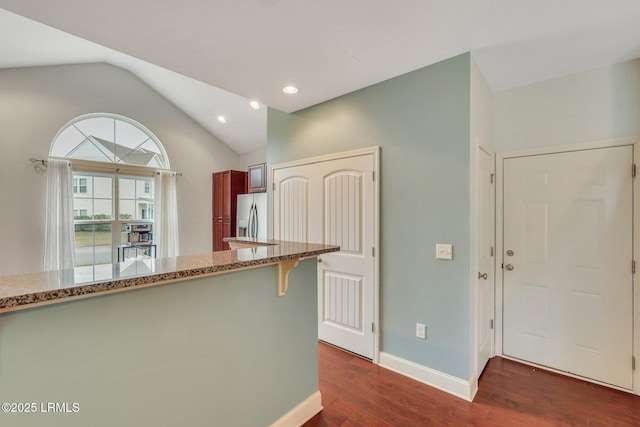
(332, 202)
(567, 262)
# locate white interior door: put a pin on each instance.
(345, 278)
(485, 280)
(568, 262)
(333, 202)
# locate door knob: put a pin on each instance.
(508, 267)
(319, 260)
(482, 276)
(510, 252)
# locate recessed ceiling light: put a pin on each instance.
(222, 119)
(255, 104)
(290, 90)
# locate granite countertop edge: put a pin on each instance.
(36, 296)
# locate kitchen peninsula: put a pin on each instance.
(194, 340)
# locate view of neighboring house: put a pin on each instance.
(99, 150)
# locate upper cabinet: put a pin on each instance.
(257, 178)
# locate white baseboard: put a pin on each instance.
(440, 380)
(301, 413)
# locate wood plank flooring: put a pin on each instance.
(357, 393)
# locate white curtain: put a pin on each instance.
(59, 239)
(165, 233)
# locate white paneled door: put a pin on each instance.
(567, 272)
(333, 202)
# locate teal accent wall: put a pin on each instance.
(223, 350)
(421, 121)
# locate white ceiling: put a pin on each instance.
(29, 43)
(327, 48)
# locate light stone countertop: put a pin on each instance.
(28, 290)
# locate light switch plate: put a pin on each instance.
(444, 251)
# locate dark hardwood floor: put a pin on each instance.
(357, 393)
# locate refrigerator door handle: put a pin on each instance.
(255, 221)
(252, 222)
(249, 220)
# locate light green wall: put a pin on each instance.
(594, 105)
(421, 122)
(217, 351)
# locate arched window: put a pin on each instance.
(109, 138)
(115, 163)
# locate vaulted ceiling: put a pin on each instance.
(210, 56)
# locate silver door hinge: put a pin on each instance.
(373, 176)
(491, 251)
(633, 363)
(633, 267)
(633, 170)
(273, 186)
(373, 327)
(491, 326)
(491, 177)
(373, 252)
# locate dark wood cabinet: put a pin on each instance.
(257, 177)
(226, 187)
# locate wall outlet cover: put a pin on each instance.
(444, 251)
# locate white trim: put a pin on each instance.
(570, 147)
(302, 413)
(375, 151)
(500, 157)
(476, 147)
(445, 382)
(636, 286)
(474, 157)
(327, 157)
(569, 374)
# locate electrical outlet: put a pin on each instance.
(421, 331)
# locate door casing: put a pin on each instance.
(500, 157)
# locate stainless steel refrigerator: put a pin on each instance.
(251, 214)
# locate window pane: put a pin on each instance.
(127, 209)
(91, 149)
(136, 198)
(68, 139)
(128, 135)
(123, 234)
(102, 187)
(127, 188)
(97, 127)
(93, 244)
(82, 185)
(82, 209)
(102, 209)
(145, 210)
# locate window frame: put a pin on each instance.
(116, 222)
(115, 170)
(164, 158)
